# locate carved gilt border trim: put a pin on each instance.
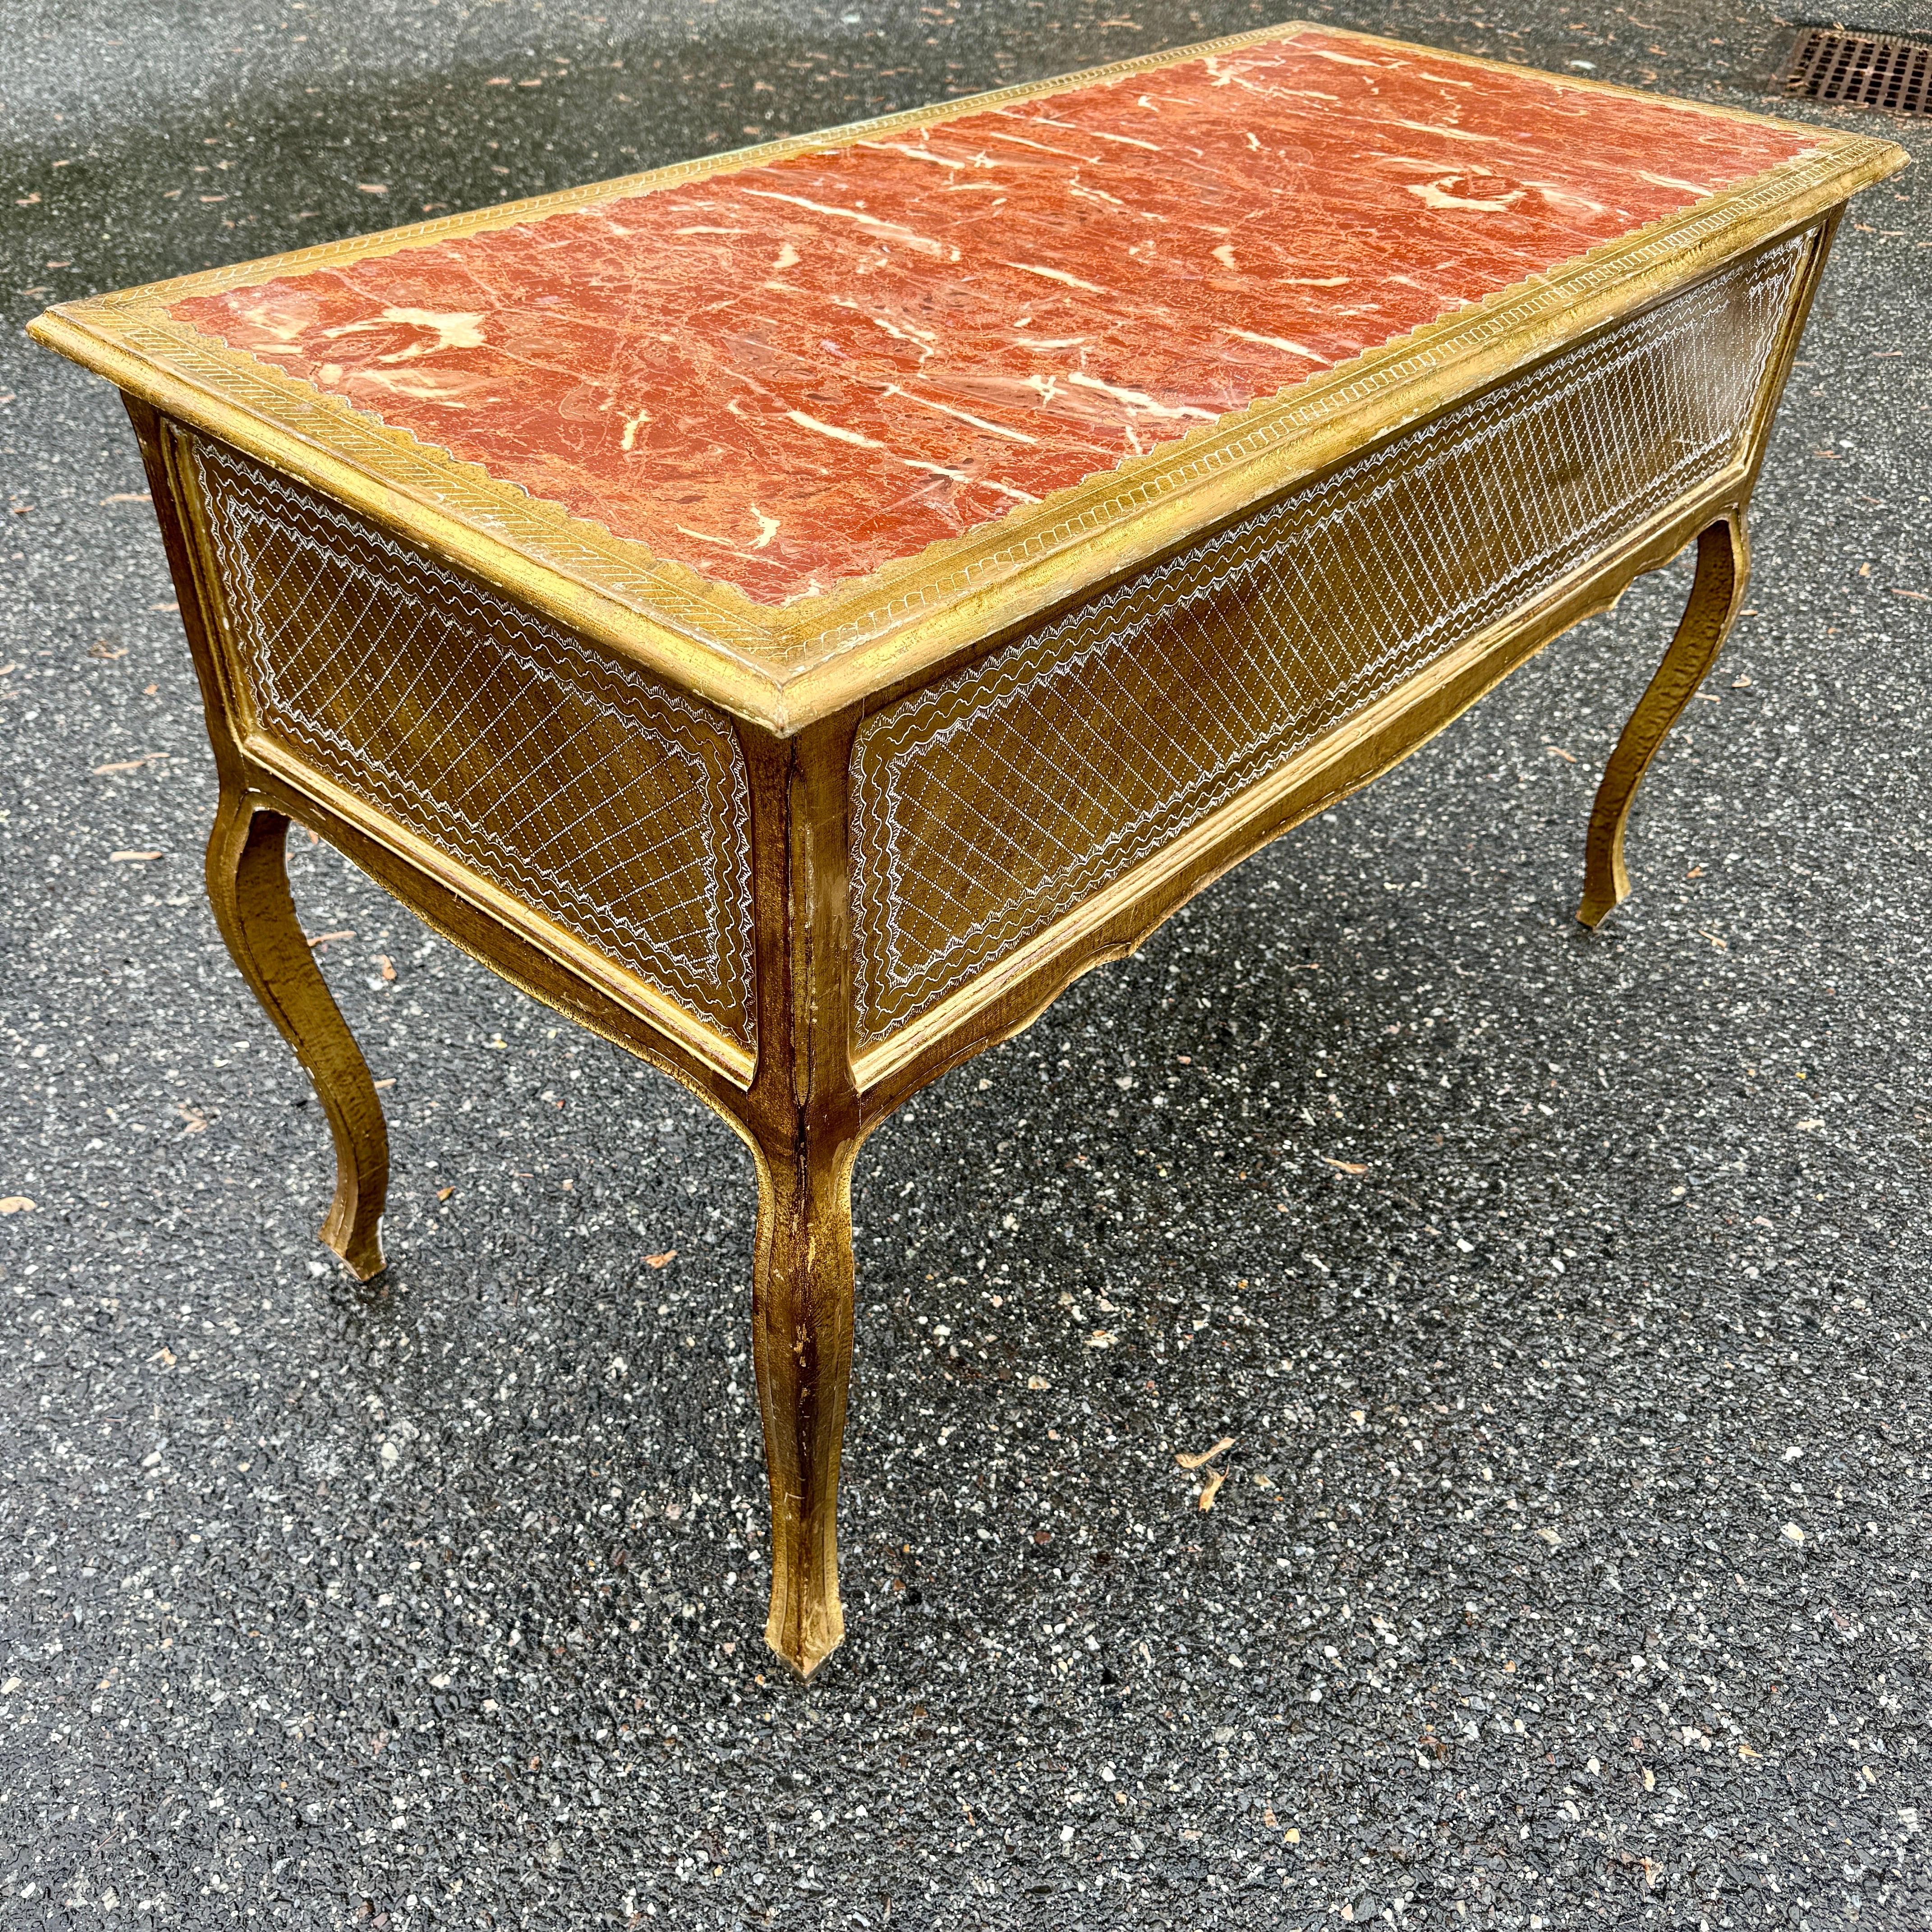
(785, 667)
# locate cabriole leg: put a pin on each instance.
(1723, 567)
(248, 886)
(802, 1348)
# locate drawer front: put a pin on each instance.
(613, 806)
(996, 801)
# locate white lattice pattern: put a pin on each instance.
(615, 807)
(995, 801)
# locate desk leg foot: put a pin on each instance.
(1724, 568)
(802, 1348)
(248, 886)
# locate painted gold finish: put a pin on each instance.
(779, 1039)
(1716, 595)
(990, 803)
(785, 668)
(248, 887)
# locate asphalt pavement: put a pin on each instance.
(1562, 1295)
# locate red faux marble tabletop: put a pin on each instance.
(789, 373)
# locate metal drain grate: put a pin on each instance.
(1861, 70)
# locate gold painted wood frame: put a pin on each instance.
(867, 837)
(789, 666)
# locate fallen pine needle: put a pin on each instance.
(1343, 1166)
(1215, 1479)
(663, 1260)
(1206, 1455)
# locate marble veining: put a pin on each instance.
(788, 375)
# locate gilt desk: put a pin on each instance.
(793, 612)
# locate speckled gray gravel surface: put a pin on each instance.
(1568, 1566)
